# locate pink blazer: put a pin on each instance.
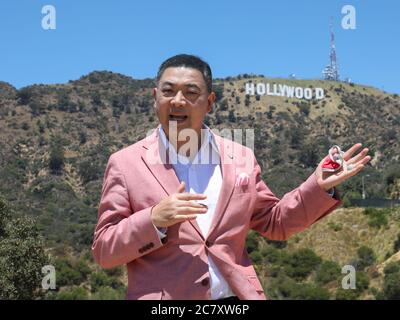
(176, 268)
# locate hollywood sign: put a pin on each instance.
(283, 90)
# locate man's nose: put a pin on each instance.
(178, 100)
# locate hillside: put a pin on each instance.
(56, 139)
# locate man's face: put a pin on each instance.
(182, 96)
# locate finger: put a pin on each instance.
(347, 155)
(181, 187)
(359, 156)
(338, 179)
(191, 196)
(333, 181)
(185, 217)
(194, 204)
(191, 210)
(363, 161)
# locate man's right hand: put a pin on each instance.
(177, 208)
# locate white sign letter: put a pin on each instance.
(250, 88)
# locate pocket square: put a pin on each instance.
(242, 179)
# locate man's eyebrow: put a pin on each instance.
(167, 83)
(189, 85)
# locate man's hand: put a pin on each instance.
(178, 207)
(351, 166)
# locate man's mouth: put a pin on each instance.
(177, 118)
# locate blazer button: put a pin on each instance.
(209, 243)
(205, 282)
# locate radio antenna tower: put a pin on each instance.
(331, 71)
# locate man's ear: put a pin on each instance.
(211, 100)
(154, 92)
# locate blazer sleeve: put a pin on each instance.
(278, 219)
(121, 234)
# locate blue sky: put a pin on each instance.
(274, 38)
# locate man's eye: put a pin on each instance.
(167, 90)
(192, 92)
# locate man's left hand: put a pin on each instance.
(351, 167)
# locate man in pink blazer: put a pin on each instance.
(181, 227)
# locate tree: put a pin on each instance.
(57, 159)
(219, 91)
(304, 108)
(25, 95)
(308, 155)
(73, 293)
(82, 137)
(301, 263)
(252, 242)
(231, 116)
(68, 274)
(366, 257)
(108, 293)
(391, 287)
(397, 244)
(223, 105)
(21, 256)
(328, 271)
(63, 101)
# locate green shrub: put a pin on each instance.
(308, 291)
(252, 242)
(391, 286)
(301, 263)
(21, 256)
(348, 196)
(366, 257)
(377, 217)
(346, 294)
(393, 267)
(89, 170)
(74, 293)
(56, 161)
(335, 226)
(286, 288)
(108, 293)
(101, 279)
(68, 274)
(256, 257)
(396, 246)
(328, 271)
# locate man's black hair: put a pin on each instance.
(188, 61)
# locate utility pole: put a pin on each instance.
(363, 186)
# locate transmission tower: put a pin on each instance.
(331, 71)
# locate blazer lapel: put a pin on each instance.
(228, 180)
